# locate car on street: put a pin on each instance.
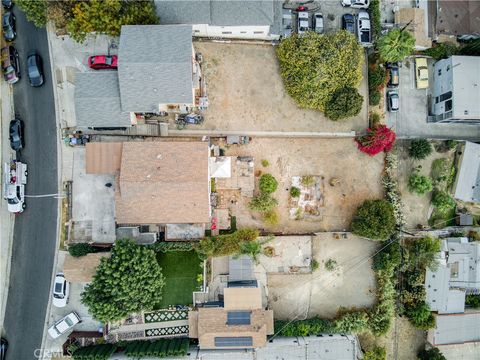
(34, 69)
(348, 23)
(302, 22)
(393, 75)
(393, 101)
(10, 64)
(17, 141)
(421, 73)
(359, 4)
(7, 4)
(318, 23)
(8, 24)
(99, 62)
(3, 348)
(61, 290)
(287, 22)
(63, 325)
(364, 32)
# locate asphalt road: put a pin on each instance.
(35, 229)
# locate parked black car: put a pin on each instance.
(34, 69)
(10, 64)
(8, 24)
(348, 23)
(3, 348)
(17, 141)
(394, 76)
(7, 4)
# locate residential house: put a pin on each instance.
(240, 19)
(157, 71)
(457, 274)
(238, 320)
(455, 90)
(455, 329)
(158, 185)
(467, 183)
(459, 19)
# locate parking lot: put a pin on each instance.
(411, 120)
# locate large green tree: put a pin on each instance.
(314, 67)
(374, 219)
(396, 45)
(431, 354)
(129, 281)
(345, 103)
(35, 11)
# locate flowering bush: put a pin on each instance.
(379, 138)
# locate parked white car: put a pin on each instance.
(318, 23)
(63, 325)
(302, 22)
(359, 4)
(61, 289)
(364, 32)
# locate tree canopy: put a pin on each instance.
(314, 67)
(374, 219)
(129, 281)
(345, 103)
(396, 45)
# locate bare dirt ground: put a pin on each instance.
(322, 293)
(246, 93)
(416, 207)
(410, 341)
(359, 177)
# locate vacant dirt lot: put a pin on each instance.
(358, 174)
(246, 93)
(322, 293)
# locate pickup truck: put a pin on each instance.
(15, 174)
(364, 30)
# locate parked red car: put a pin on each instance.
(99, 62)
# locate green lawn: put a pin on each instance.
(180, 270)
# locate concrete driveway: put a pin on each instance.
(411, 120)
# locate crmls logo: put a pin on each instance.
(44, 354)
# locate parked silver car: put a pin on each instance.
(64, 324)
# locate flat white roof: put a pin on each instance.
(466, 86)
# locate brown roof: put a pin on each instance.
(414, 19)
(208, 323)
(163, 182)
(242, 298)
(103, 157)
(460, 17)
(82, 269)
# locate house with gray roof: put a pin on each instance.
(457, 274)
(467, 183)
(240, 19)
(157, 71)
(455, 329)
(97, 101)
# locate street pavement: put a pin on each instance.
(35, 230)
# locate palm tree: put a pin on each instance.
(396, 45)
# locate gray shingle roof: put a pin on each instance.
(155, 66)
(97, 100)
(456, 329)
(220, 12)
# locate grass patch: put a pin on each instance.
(180, 269)
(441, 219)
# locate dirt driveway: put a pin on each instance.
(322, 293)
(246, 93)
(358, 174)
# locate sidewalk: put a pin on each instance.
(6, 218)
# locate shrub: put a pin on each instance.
(377, 353)
(271, 217)
(421, 316)
(314, 265)
(268, 184)
(377, 77)
(97, 352)
(374, 119)
(330, 265)
(419, 184)
(307, 180)
(442, 201)
(379, 138)
(265, 163)
(269, 251)
(440, 170)
(81, 249)
(263, 203)
(224, 245)
(431, 354)
(419, 149)
(166, 246)
(314, 67)
(294, 192)
(374, 219)
(473, 301)
(344, 103)
(374, 97)
(375, 16)
(441, 51)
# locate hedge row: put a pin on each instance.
(374, 10)
(94, 352)
(166, 246)
(158, 348)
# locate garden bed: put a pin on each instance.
(180, 270)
